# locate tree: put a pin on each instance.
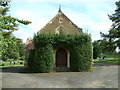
(21, 49)
(96, 49)
(115, 31)
(9, 46)
(109, 41)
(116, 17)
(6, 21)
(113, 36)
(8, 24)
(102, 47)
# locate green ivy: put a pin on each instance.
(42, 58)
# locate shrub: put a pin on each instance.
(4, 58)
(96, 52)
(21, 63)
(22, 58)
(42, 58)
(3, 64)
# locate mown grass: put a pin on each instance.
(7, 64)
(109, 60)
(10, 66)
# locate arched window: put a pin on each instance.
(60, 31)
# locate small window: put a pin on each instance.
(60, 20)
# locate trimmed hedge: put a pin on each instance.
(42, 58)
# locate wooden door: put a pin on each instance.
(61, 58)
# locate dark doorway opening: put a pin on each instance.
(61, 57)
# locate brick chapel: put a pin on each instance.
(57, 25)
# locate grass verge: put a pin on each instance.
(109, 60)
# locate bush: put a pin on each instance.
(3, 64)
(21, 63)
(96, 50)
(31, 58)
(15, 56)
(22, 58)
(81, 57)
(42, 58)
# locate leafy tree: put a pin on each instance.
(8, 24)
(102, 47)
(110, 42)
(10, 48)
(113, 36)
(21, 47)
(6, 21)
(116, 17)
(15, 48)
(96, 49)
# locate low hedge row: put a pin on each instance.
(42, 58)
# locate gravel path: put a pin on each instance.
(104, 76)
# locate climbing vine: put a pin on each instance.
(42, 58)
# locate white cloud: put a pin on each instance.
(37, 20)
(23, 14)
(91, 26)
(99, 27)
(22, 34)
(85, 20)
(37, 23)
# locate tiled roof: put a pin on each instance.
(58, 23)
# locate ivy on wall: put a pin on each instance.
(42, 58)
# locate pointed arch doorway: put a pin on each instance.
(62, 57)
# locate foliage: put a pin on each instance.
(42, 59)
(43, 62)
(96, 49)
(113, 37)
(102, 46)
(9, 47)
(111, 41)
(116, 17)
(21, 49)
(7, 22)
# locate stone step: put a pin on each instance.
(62, 69)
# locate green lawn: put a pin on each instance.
(109, 60)
(113, 58)
(7, 64)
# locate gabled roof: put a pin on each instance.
(60, 23)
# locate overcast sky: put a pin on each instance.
(91, 15)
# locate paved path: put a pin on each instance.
(102, 77)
